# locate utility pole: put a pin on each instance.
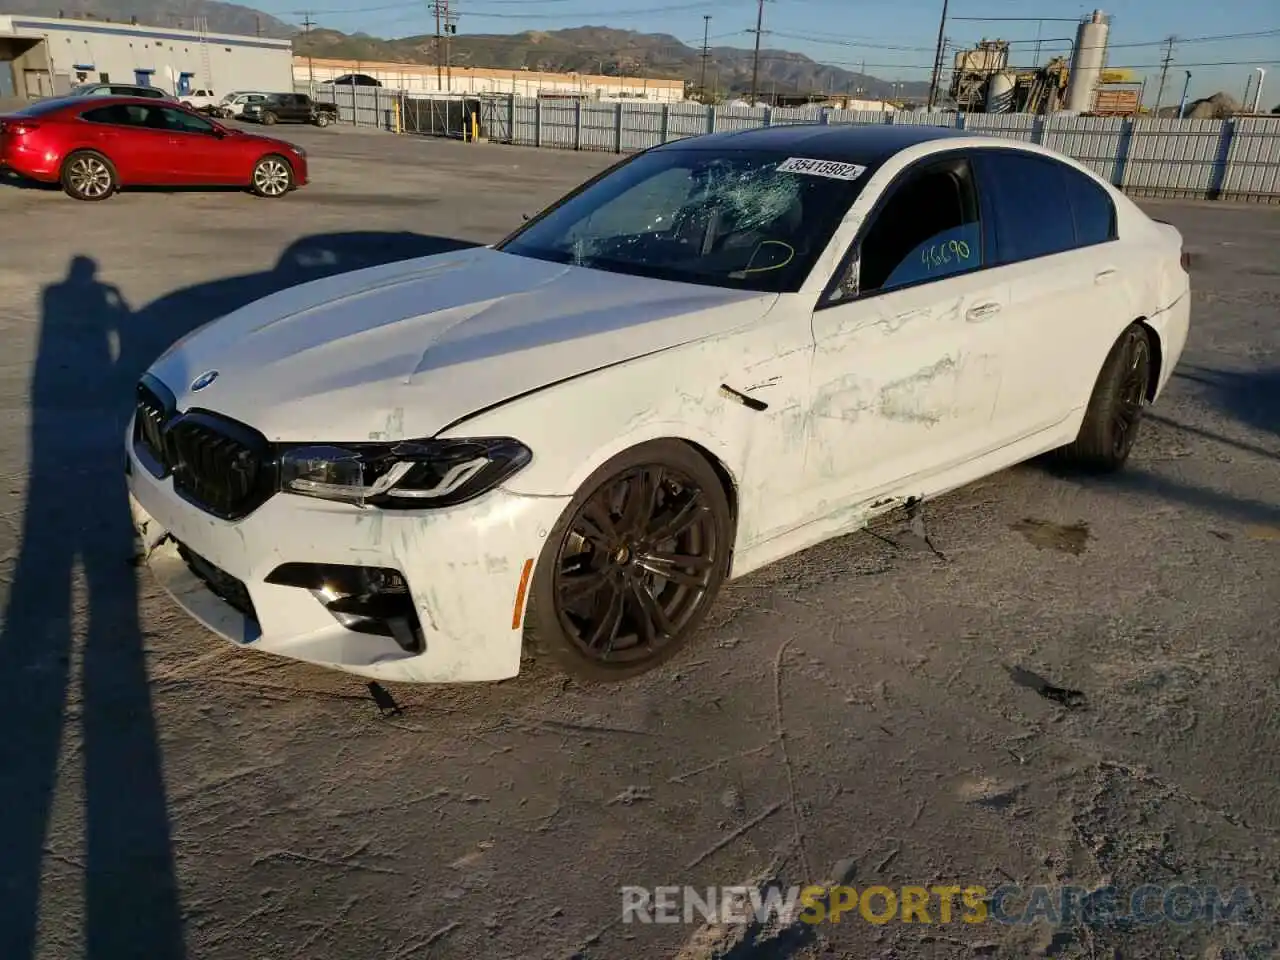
(706, 55)
(1164, 73)
(307, 24)
(437, 10)
(755, 60)
(937, 57)
(1182, 104)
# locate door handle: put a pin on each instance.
(982, 311)
(1105, 276)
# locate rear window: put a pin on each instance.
(40, 108)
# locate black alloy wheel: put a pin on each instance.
(634, 564)
(1116, 407)
(1131, 397)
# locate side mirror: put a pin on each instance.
(219, 132)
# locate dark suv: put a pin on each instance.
(291, 108)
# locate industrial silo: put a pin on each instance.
(1000, 92)
(1088, 61)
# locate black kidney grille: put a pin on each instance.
(226, 474)
(221, 466)
(151, 414)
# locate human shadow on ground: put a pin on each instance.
(1250, 397)
(75, 572)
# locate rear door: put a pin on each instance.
(1056, 249)
(300, 107)
(125, 133)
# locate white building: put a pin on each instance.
(45, 56)
(427, 79)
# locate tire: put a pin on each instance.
(322, 119)
(272, 177)
(88, 175)
(604, 604)
(268, 118)
(1115, 409)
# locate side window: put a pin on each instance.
(185, 122)
(929, 228)
(1029, 195)
(121, 114)
(1094, 213)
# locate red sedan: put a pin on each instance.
(94, 146)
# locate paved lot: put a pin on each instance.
(862, 710)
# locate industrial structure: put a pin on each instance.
(47, 56)
(426, 79)
(983, 80)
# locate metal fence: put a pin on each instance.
(1235, 159)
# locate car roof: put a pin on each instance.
(869, 144)
(87, 103)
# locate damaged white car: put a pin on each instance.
(715, 354)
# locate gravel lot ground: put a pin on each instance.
(863, 710)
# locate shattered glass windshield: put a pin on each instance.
(742, 219)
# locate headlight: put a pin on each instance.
(410, 475)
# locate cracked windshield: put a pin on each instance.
(726, 219)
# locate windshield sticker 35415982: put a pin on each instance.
(822, 168)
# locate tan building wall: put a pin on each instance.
(423, 78)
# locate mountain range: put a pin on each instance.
(586, 49)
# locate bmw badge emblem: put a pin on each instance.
(202, 381)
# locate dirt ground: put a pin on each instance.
(1066, 681)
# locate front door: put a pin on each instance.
(908, 348)
(196, 156)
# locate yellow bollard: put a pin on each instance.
(396, 114)
(475, 130)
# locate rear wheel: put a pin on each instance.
(633, 565)
(272, 177)
(87, 175)
(268, 118)
(1115, 409)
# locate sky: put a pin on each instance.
(1221, 44)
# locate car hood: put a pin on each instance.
(404, 350)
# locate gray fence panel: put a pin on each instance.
(1175, 158)
(559, 124)
(599, 126)
(1253, 160)
(1099, 143)
(641, 126)
(923, 119)
(1013, 126)
(524, 128)
(782, 115)
(739, 118)
(686, 120)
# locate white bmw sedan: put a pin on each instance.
(717, 353)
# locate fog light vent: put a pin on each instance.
(373, 600)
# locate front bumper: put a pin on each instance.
(465, 568)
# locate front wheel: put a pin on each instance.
(322, 119)
(1115, 409)
(87, 175)
(272, 177)
(633, 565)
